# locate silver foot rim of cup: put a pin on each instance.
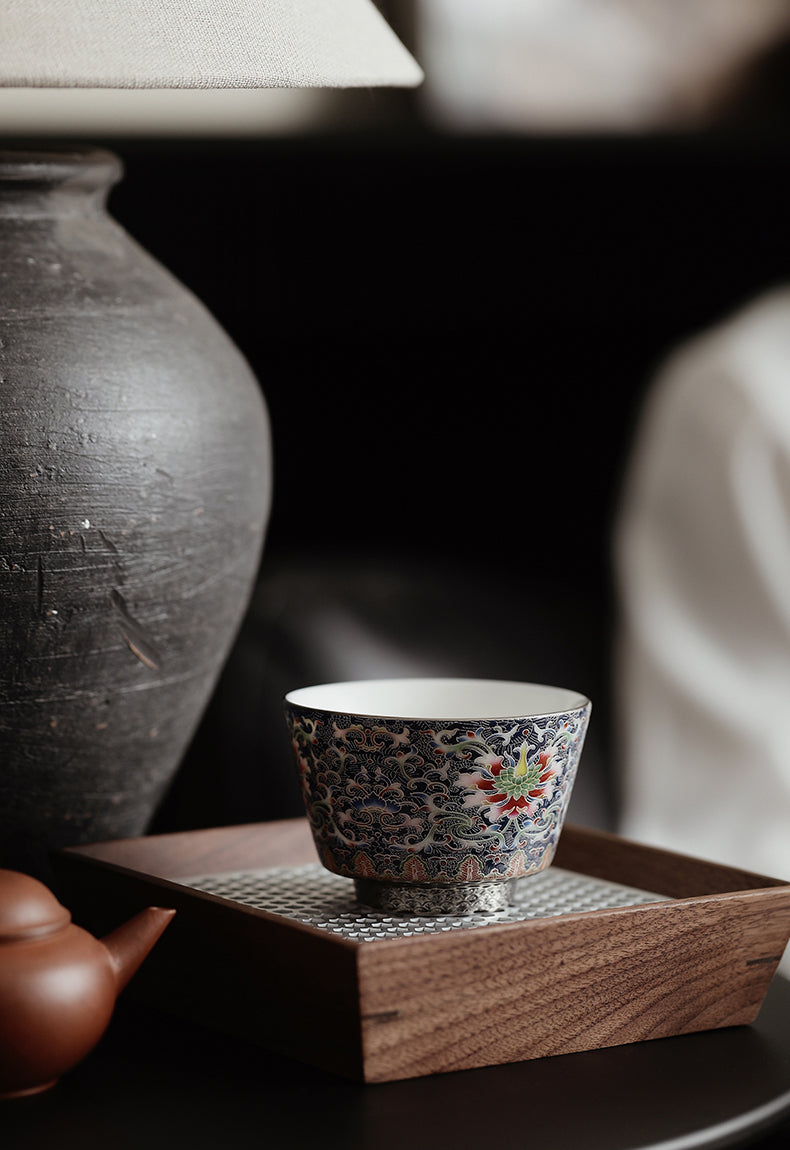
(434, 898)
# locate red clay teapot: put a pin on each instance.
(58, 984)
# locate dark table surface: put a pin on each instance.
(156, 1081)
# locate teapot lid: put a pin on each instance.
(27, 908)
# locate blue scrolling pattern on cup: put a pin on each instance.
(410, 801)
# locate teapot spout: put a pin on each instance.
(131, 943)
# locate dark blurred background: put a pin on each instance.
(454, 310)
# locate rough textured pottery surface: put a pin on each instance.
(134, 493)
(423, 801)
(58, 984)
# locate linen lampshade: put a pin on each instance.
(200, 44)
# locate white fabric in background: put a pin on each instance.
(200, 44)
(702, 555)
(589, 65)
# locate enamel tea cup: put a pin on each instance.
(433, 794)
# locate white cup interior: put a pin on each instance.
(445, 699)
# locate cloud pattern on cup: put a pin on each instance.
(414, 801)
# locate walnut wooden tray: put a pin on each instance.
(694, 947)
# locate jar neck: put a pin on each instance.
(56, 182)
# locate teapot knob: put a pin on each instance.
(28, 909)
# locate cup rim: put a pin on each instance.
(314, 698)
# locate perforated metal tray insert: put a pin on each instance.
(312, 895)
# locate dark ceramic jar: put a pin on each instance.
(134, 491)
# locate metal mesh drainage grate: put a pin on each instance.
(312, 895)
